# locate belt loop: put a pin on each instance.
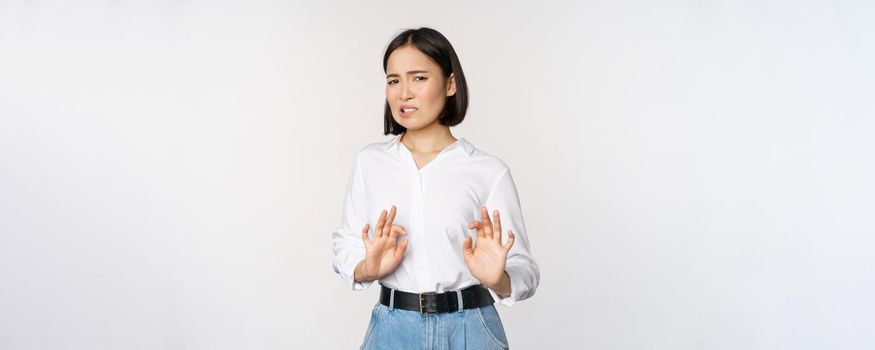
(391, 298)
(459, 298)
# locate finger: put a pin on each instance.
(487, 223)
(397, 230)
(402, 248)
(496, 225)
(467, 246)
(378, 230)
(477, 225)
(365, 234)
(510, 239)
(387, 226)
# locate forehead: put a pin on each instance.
(409, 58)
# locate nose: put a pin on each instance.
(406, 94)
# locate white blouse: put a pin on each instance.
(434, 204)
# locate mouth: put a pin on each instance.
(406, 111)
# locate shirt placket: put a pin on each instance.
(422, 261)
(418, 212)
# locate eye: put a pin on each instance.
(391, 82)
(423, 78)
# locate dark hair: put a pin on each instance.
(434, 45)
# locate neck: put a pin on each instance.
(430, 139)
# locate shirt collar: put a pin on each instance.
(461, 143)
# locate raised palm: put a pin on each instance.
(382, 253)
(486, 260)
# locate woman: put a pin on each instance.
(428, 195)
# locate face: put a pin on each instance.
(415, 88)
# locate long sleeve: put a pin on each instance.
(346, 240)
(520, 266)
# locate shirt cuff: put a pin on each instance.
(517, 287)
(348, 275)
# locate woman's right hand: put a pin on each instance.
(382, 254)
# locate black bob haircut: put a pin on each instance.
(434, 45)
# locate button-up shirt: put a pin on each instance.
(434, 204)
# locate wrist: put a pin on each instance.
(359, 273)
(500, 286)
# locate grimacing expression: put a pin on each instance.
(415, 88)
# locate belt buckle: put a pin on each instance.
(424, 311)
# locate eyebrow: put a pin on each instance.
(408, 72)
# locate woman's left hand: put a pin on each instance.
(486, 260)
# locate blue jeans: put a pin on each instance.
(478, 328)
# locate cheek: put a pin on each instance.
(433, 93)
(391, 97)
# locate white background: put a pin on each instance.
(694, 174)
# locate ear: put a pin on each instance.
(451, 85)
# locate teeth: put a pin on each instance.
(408, 109)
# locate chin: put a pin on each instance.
(413, 127)
(411, 123)
(407, 124)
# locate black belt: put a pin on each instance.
(434, 303)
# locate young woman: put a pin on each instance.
(416, 214)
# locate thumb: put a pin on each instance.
(467, 248)
(402, 248)
(365, 234)
(510, 239)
